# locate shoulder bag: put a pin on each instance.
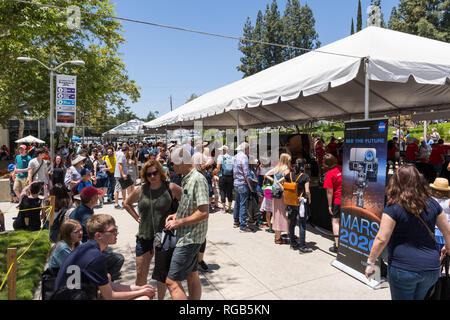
(441, 289)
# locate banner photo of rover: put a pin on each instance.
(363, 190)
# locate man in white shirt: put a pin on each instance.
(120, 172)
(37, 169)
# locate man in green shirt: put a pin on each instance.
(191, 225)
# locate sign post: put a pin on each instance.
(66, 110)
(363, 191)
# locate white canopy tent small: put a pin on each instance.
(405, 73)
(132, 127)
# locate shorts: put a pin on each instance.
(184, 262)
(143, 246)
(336, 211)
(117, 187)
(102, 183)
(20, 184)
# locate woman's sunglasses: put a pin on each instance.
(154, 174)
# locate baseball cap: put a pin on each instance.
(23, 146)
(11, 167)
(85, 171)
(89, 192)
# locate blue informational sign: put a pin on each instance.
(66, 100)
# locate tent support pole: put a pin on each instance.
(366, 94)
(237, 126)
(425, 130)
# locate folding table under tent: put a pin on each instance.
(376, 70)
(129, 128)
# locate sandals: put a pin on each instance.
(281, 241)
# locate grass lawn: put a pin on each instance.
(30, 266)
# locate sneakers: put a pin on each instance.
(334, 249)
(246, 230)
(203, 265)
(270, 230)
(117, 206)
(109, 200)
(305, 250)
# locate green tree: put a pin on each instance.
(272, 33)
(42, 33)
(295, 28)
(151, 116)
(192, 97)
(298, 24)
(425, 18)
(352, 30)
(359, 18)
(248, 50)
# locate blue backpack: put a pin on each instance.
(227, 165)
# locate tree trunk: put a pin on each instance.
(21, 128)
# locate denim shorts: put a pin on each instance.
(143, 246)
(184, 261)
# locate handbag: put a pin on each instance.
(276, 192)
(125, 183)
(441, 289)
(48, 279)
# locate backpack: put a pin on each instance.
(75, 188)
(291, 192)
(57, 222)
(227, 165)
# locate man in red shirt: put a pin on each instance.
(320, 152)
(333, 184)
(412, 150)
(437, 156)
(332, 147)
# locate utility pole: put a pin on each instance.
(170, 103)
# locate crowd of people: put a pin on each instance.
(175, 188)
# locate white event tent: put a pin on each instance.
(132, 127)
(378, 70)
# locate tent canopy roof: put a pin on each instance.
(407, 73)
(130, 127)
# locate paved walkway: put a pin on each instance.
(250, 266)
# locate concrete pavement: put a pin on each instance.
(249, 266)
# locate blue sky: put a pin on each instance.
(174, 63)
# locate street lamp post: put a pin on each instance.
(52, 96)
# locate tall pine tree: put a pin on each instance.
(425, 18)
(248, 50)
(295, 28)
(272, 33)
(359, 18)
(352, 30)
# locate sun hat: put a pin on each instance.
(77, 160)
(224, 147)
(440, 184)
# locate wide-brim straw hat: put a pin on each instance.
(77, 160)
(440, 184)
